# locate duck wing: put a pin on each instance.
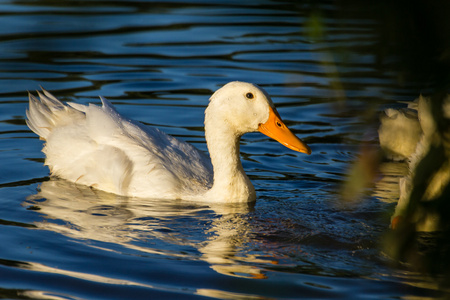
(98, 147)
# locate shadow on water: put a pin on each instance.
(87, 214)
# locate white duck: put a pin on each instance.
(411, 134)
(98, 147)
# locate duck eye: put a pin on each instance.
(249, 95)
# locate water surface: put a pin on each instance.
(159, 63)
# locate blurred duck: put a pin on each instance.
(98, 147)
(400, 132)
(411, 134)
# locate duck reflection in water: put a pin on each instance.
(84, 213)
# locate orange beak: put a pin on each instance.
(275, 128)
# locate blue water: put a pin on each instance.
(159, 63)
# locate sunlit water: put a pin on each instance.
(159, 63)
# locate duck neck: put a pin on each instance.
(231, 184)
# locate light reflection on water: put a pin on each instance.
(159, 63)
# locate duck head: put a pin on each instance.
(245, 107)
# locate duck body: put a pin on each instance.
(98, 147)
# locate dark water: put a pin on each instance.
(158, 63)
